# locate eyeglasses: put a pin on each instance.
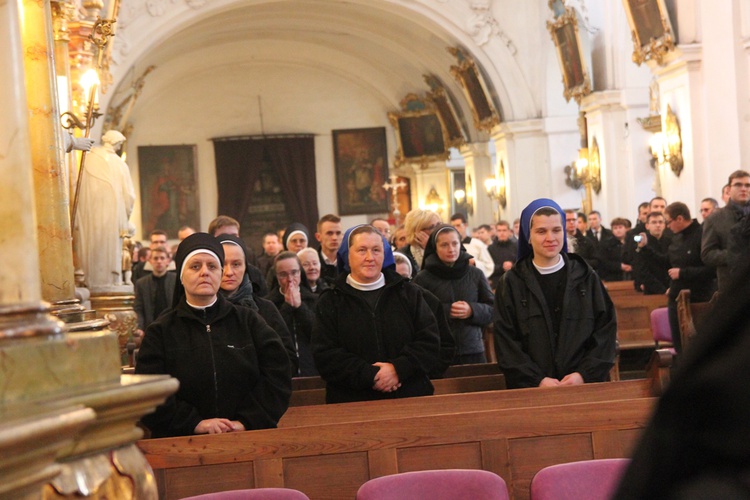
(668, 221)
(429, 228)
(740, 185)
(293, 273)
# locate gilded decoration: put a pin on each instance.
(651, 30)
(566, 36)
(420, 134)
(475, 89)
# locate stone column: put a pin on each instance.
(50, 178)
(479, 167)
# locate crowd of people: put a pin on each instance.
(379, 311)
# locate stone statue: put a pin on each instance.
(128, 244)
(105, 203)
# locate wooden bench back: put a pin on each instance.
(331, 460)
(689, 314)
(634, 319)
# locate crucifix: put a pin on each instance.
(393, 185)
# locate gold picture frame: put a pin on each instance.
(651, 30)
(567, 39)
(439, 98)
(420, 134)
(595, 166)
(475, 89)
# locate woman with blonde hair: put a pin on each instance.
(418, 224)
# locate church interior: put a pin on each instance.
(472, 106)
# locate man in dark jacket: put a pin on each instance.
(718, 248)
(554, 321)
(687, 270)
(651, 264)
(374, 336)
(153, 292)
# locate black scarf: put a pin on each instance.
(439, 268)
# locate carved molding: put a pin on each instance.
(482, 25)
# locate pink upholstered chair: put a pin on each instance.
(255, 494)
(451, 484)
(587, 480)
(660, 328)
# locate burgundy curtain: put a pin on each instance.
(293, 158)
(238, 165)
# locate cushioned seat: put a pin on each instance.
(451, 484)
(589, 480)
(254, 494)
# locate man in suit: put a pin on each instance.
(153, 292)
(596, 231)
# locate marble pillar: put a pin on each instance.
(67, 415)
(45, 137)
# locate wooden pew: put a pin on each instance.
(468, 402)
(688, 314)
(453, 385)
(617, 288)
(634, 319)
(522, 431)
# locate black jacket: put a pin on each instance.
(525, 345)
(145, 297)
(685, 253)
(501, 251)
(229, 362)
(473, 288)
(349, 337)
(300, 324)
(610, 260)
(651, 265)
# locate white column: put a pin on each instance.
(627, 177)
(479, 166)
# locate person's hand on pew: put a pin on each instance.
(574, 378)
(386, 379)
(549, 382)
(218, 426)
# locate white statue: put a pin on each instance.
(104, 206)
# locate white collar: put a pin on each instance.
(366, 287)
(551, 269)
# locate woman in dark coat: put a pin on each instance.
(292, 296)
(463, 290)
(233, 370)
(238, 288)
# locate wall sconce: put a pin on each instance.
(586, 172)
(666, 146)
(433, 201)
(495, 187)
(464, 199)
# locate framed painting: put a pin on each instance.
(565, 35)
(446, 111)
(169, 188)
(475, 89)
(651, 30)
(420, 134)
(361, 161)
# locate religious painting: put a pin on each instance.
(576, 79)
(420, 134)
(446, 111)
(169, 188)
(475, 89)
(361, 162)
(651, 29)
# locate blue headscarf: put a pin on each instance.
(342, 255)
(524, 247)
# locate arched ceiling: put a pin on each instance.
(383, 46)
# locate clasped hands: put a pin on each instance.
(574, 378)
(386, 380)
(292, 296)
(218, 426)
